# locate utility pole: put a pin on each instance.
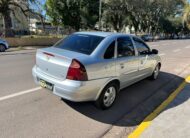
(100, 15)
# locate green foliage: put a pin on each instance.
(145, 16)
(73, 13)
(12, 6)
(171, 25)
(115, 14)
(186, 15)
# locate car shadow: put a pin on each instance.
(133, 103)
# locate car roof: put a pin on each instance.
(103, 34)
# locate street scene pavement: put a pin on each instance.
(174, 117)
(30, 111)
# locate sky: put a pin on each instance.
(36, 7)
(43, 1)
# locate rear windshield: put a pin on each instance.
(80, 43)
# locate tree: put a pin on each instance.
(8, 6)
(75, 14)
(115, 14)
(12, 6)
(186, 15)
(146, 14)
(143, 15)
(172, 26)
(89, 13)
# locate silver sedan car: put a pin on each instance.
(95, 66)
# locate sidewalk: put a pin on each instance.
(174, 121)
(21, 50)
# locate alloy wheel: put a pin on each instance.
(109, 96)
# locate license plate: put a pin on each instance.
(46, 84)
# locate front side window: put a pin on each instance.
(125, 47)
(109, 54)
(80, 43)
(141, 46)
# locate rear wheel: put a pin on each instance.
(108, 96)
(155, 73)
(2, 48)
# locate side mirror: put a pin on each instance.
(154, 51)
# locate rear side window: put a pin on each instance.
(125, 47)
(141, 46)
(109, 54)
(80, 43)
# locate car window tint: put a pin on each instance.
(85, 44)
(142, 48)
(125, 47)
(109, 54)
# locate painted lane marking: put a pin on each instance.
(176, 50)
(163, 54)
(19, 94)
(148, 120)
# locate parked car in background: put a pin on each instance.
(157, 37)
(3, 45)
(95, 66)
(147, 37)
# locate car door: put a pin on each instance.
(127, 61)
(144, 55)
(109, 61)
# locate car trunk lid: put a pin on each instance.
(55, 62)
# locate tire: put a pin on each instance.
(108, 96)
(2, 48)
(155, 73)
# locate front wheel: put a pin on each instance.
(155, 73)
(107, 97)
(2, 48)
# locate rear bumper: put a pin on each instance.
(76, 91)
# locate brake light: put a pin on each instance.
(77, 71)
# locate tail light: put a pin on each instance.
(48, 54)
(77, 71)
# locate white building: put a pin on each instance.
(36, 25)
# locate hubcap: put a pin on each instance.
(156, 72)
(1, 48)
(109, 96)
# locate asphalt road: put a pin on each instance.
(37, 112)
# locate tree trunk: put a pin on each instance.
(43, 23)
(8, 25)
